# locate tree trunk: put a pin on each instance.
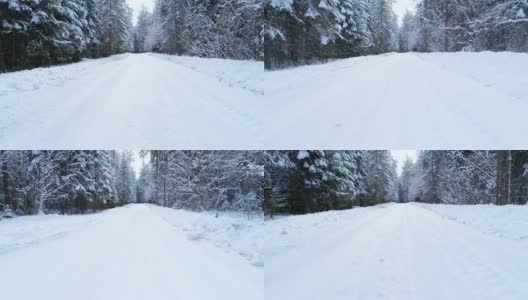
(5, 182)
(503, 177)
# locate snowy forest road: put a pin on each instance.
(132, 101)
(124, 253)
(400, 252)
(400, 101)
(154, 101)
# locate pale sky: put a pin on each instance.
(138, 162)
(400, 6)
(401, 155)
(136, 6)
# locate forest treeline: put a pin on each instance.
(203, 180)
(205, 28)
(306, 31)
(67, 182)
(73, 182)
(41, 33)
(299, 182)
(292, 182)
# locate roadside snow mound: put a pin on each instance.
(286, 233)
(244, 74)
(23, 231)
(232, 232)
(503, 71)
(510, 221)
(35, 79)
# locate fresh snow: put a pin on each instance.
(400, 101)
(133, 252)
(233, 232)
(399, 251)
(390, 101)
(132, 101)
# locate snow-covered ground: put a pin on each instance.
(390, 101)
(133, 101)
(133, 252)
(400, 101)
(400, 252)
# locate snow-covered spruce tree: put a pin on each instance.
(57, 181)
(300, 32)
(462, 177)
(307, 185)
(105, 179)
(207, 28)
(34, 33)
(407, 34)
(476, 25)
(384, 26)
(278, 167)
(381, 178)
(504, 25)
(125, 178)
(141, 30)
(300, 182)
(114, 27)
(348, 177)
(404, 192)
(207, 180)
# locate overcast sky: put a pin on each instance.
(400, 6)
(401, 155)
(136, 6)
(138, 162)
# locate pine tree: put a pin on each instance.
(384, 26)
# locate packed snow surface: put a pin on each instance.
(155, 101)
(133, 252)
(400, 101)
(133, 101)
(400, 252)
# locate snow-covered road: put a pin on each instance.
(399, 252)
(400, 101)
(133, 101)
(131, 252)
(154, 101)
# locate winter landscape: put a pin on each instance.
(339, 83)
(189, 74)
(83, 225)
(441, 225)
(108, 77)
(264, 224)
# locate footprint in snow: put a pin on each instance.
(194, 236)
(258, 264)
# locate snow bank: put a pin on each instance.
(286, 233)
(23, 231)
(39, 78)
(503, 71)
(232, 232)
(510, 221)
(243, 74)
